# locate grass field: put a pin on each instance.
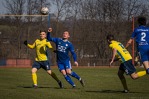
(101, 83)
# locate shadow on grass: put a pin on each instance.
(110, 91)
(38, 87)
(47, 87)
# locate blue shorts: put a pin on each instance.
(144, 52)
(127, 67)
(64, 65)
(41, 64)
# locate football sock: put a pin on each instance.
(141, 73)
(34, 78)
(147, 71)
(68, 79)
(73, 74)
(124, 83)
(55, 77)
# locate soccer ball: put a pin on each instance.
(44, 10)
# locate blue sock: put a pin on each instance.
(68, 79)
(73, 74)
(147, 71)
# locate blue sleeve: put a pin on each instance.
(49, 38)
(73, 52)
(134, 34)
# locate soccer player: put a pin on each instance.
(63, 47)
(126, 66)
(141, 34)
(41, 60)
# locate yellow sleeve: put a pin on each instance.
(31, 46)
(111, 46)
(48, 44)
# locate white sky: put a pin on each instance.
(3, 9)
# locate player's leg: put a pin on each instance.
(146, 66)
(123, 80)
(53, 75)
(72, 73)
(67, 78)
(144, 53)
(46, 66)
(138, 74)
(35, 67)
(34, 77)
(121, 76)
(131, 70)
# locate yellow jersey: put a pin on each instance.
(122, 52)
(41, 49)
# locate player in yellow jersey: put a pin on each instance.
(41, 60)
(126, 66)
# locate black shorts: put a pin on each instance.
(41, 64)
(127, 67)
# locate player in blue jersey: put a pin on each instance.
(63, 47)
(141, 34)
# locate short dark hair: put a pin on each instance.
(110, 37)
(142, 20)
(42, 31)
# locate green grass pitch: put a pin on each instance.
(101, 83)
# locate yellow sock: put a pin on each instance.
(34, 78)
(141, 73)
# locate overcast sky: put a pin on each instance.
(2, 9)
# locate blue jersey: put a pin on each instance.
(63, 48)
(141, 34)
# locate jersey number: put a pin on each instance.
(143, 35)
(124, 50)
(61, 48)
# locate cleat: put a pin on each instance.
(74, 86)
(82, 82)
(35, 86)
(60, 84)
(125, 91)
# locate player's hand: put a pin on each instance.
(76, 63)
(110, 63)
(55, 51)
(50, 30)
(25, 42)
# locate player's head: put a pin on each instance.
(43, 35)
(66, 35)
(110, 38)
(142, 21)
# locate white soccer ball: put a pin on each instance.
(44, 10)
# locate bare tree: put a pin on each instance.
(62, 7)
(16, 7)
(132, 8)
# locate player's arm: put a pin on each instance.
(129, 42)
(29, 45)
(73, 55)
(116, 59)
(131, 39)
(113, 56)
(49, 38)
(48, 44)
